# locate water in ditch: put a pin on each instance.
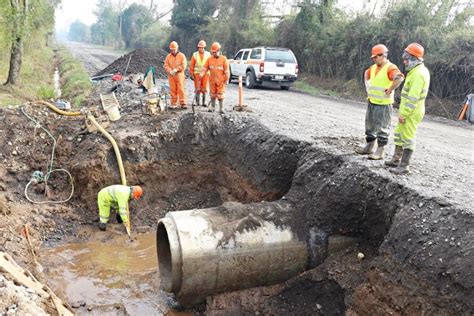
(108, 275)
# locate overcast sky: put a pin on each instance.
(82, 10)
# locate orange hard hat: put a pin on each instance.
(136, 192)
(379, 49)
(173, 45)
(215, 47)
(202, 44)
(416, 50)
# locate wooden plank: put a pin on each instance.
(25, 278)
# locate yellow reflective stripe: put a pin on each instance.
(378, 97)
(376, 88)
(414, 99)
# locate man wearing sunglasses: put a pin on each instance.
(381, 79)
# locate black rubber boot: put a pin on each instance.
(404, 166)
(204, 100)
(221, 106)
(197, 99)
(119, 218)
(397, 156)
(367, 149)
(102, 226)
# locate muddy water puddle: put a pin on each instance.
(108, 276)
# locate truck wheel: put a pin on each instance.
(230, 76)
(285, 87)
(250, 80)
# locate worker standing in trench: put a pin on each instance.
(412, 108)
(381, 79)
(197, 62)
(116, 196)
(175, 64)
(218, 66)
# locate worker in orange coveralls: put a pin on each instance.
(175, 64)
(219, 76)
(197, 62)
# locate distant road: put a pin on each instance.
(94, 57)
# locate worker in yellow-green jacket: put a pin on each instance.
(412, 108)
(117, 197)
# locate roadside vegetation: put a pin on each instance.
(29, 29)
(75, 81)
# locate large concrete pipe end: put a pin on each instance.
(204, 252)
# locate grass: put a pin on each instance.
(75, 82)
(330, 87)
(36, 74)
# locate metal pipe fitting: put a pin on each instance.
(208, 251)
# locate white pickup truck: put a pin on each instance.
(270, 66)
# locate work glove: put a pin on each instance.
(172, 72)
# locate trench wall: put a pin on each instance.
(424, 245)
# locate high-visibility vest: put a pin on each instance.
(378, 83)
(414, 92)
(118, 195)
(200, 62)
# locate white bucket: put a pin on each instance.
(113, 112)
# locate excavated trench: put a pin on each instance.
(186, 162)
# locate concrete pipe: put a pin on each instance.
(208, 251)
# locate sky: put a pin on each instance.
(82, 10)
(71, 10)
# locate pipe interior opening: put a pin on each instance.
(164, 257)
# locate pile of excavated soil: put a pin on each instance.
(140, 60)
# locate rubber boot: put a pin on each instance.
(367, 149)
(221, 106)
(404, 166)
(197, 99)
(119, 218)
(213, 105)
(397, 156)
(102, 226)
(204, 100)
(379, 153)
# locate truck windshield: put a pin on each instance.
(276, 55)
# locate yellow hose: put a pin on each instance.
(59, 111)
(114, 145)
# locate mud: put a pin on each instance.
(410, 241)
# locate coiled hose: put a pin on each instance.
(37, 176)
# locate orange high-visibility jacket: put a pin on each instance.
(219, 69)
(177, 62)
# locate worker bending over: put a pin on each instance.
(117, 197)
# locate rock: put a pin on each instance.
(360, 256)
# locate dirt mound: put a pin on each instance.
(140, 59)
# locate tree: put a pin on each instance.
(78, 32)
(19, 17)
(134, 21)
